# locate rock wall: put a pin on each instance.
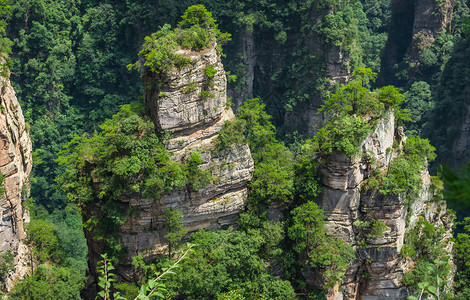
(176, 105)
(345, 203)
(461, 145)
(430, 19)
(194, 122)
(15, 166)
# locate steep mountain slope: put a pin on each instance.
(15, 166)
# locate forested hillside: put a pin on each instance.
(238, 149)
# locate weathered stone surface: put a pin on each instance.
(430, 19)
(175, 104)
(345, 203)
(15, 166)
(194, 122)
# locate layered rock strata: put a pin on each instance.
(346, 204)
(15, 166)
(191, 106)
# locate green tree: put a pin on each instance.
(42, 236)
(49, 283)
(172, 219)
(328, 255)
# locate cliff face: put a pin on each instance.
(194, 120)
(346, 204)
(461, 145)
(430, 19)
(190, 105)
(15, 166)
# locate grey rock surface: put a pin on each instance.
(345, 203)
(15, 166)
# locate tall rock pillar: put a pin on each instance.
(15, 166)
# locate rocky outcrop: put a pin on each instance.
(15, 166)
(190, 104)
(346, 205)
(430, 19)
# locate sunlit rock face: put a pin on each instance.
(346, 204)
(191, 104)
(15, 166)
(189, 108)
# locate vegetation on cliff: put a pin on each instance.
(354, 111)
(69, 70)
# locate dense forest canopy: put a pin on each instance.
(309, 81)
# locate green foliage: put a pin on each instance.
(370, 228)
(457, 187)
(259, 129)
(353, 111)
(195, 177)
(5, 42)
(126, 156)
(210, 71)
(449, 100)
(197, 31)
(42, 236)
(206, 95)
(106, 279)
(152, 289)
(403, 175)
(435, 289)
(159, 51)
(272, 178)
(190, 87)
(231, 134)
(172, 223)
(419, 102)
(307, 175)
(194, 38)
(462, 248)
(424, 243)
(6, 263)
(274, 171)
(229, 262)
(49, 283)
(329, 255)
(342, 134)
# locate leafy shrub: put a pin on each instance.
(424, 242)
(42, 236)
(228, 262)
(403, 176)
(159, 51)
(194, 38)
(353, 112)
(231, 134)
(210, 71)
(307, 176)
(342, 134)
(49, 283)
(197, 31)
(206, 95)
(190, 87)
(6, 263)
(329, 255)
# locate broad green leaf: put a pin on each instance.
(432, 289)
